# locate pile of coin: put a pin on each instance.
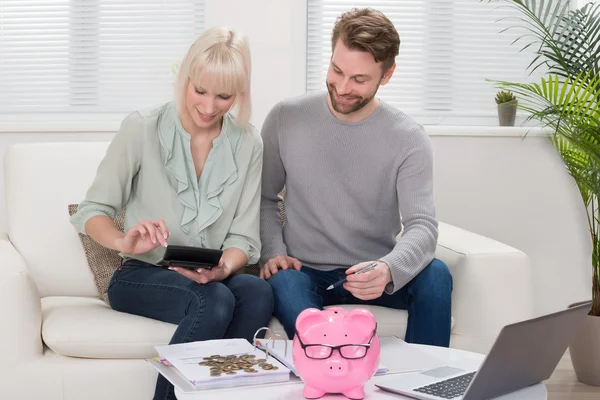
(228, 365)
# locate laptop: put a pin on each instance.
(524, 354)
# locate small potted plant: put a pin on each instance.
(507, 107)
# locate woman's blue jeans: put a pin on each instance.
(234, 308)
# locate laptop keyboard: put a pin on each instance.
(448, 389)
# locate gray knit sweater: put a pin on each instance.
(347, 185)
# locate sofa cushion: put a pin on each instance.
(390, 322)
(88, 327)
(102, 261)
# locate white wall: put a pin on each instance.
(495, 184)
(275, 30)
(516, 191)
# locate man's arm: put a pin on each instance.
(273, 181)
(414, 186)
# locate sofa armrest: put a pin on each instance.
(20, 309)
(493, 286)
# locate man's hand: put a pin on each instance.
(204, 276)
(368, 285)
(284, 262)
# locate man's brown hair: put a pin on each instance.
(368, 30)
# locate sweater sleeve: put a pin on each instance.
(415, 249)
(113, 183)
(273, 181)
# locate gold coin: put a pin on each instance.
(261, 360)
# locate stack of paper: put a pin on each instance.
(220, 363)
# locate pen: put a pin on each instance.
(360, 271)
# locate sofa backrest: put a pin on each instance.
(41, 180)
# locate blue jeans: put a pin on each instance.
(234, 308)
(427, 297)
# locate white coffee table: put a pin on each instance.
(293, 390)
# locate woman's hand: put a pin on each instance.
(143, 237)
(232, 260)
(203, 275)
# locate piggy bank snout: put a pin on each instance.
(336, 367)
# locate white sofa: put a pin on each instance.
(59, 341)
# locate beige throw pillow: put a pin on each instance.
(102, 261)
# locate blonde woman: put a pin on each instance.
(187, 173)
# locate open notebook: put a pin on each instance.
(277, 348)
(218, 363)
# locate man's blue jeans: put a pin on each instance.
(427, 298)
(234, 308)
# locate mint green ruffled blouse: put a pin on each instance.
(148, 170)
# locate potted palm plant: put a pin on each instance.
(507, 107)
(566, 101)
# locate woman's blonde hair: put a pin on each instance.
(224, 56)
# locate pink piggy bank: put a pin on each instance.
(335, 351)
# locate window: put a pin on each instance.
(448, 48)
(92, 56)
(581, 3)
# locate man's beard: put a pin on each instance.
(347, 108)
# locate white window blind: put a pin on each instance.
(581, 3)
(92, 56)
(448, 48)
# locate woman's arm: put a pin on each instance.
(103, 231)
(141, 238)
(112, 185)
(244, 233)
(233, 259)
